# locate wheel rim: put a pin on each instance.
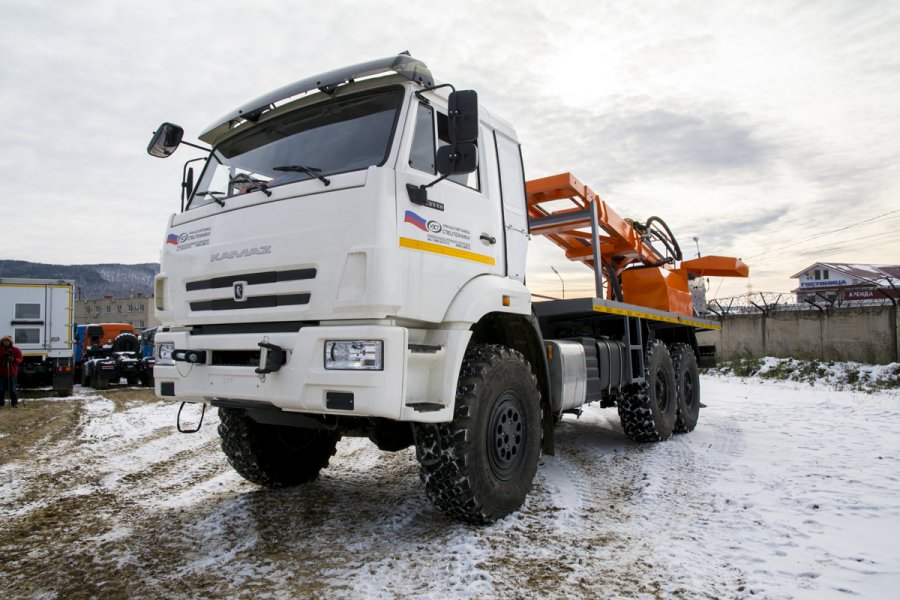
(688, 390)
(506, 436)
(661, 389)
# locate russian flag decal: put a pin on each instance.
(172, 239)
(416, 220)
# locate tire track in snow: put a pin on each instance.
(151, 513)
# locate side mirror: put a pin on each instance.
(463, 117)
(165, 140)
(457, 158)
(188, 184)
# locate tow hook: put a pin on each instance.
(271, 357)
(183, 429)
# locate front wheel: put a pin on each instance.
(274, 456)
(480, 466)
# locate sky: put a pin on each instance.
(768, 130)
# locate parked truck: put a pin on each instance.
(107, 353)
(351, 262)
(38, 314)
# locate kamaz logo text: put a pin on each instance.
(242, 253)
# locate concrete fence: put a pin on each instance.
(866, 334)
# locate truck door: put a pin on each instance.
(457, 234)
(59, 321)
(515, 215)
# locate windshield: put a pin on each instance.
(331, 137)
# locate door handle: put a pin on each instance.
(488, 239)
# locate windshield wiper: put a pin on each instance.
(258, 185)
(311, 171)
(250, 184)
(213, 195)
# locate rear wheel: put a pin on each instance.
(687, 380)
(648, 410)
(480, 466)
(274, 456)
(98, 381)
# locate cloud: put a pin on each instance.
(746, 124)
(688, 142)
(728, 234)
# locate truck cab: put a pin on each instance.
(321, 227)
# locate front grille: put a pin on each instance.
(251, 279)
(241, 328)
(286, 294)
(254, 302)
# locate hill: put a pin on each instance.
(91, 281)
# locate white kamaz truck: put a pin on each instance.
(351, 262)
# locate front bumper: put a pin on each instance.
(414, 385)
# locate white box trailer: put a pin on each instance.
(38, 315)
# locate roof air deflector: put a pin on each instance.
(402, 64)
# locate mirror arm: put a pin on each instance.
(434, 87)
(438, 180)
(196, 146)
(418, 194)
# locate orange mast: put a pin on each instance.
(573, 217)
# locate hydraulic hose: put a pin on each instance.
(668, 240)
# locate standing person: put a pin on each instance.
(10, 359)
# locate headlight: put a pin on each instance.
(163, 354)
(366, 355)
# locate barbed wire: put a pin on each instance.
(765, 302)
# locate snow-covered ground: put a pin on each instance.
(783, 490)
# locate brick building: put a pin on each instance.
(136, 310)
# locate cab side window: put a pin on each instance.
(421, 156)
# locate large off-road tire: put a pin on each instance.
(648, 410)
(480, 466)
(687, 382)
(274, 456)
